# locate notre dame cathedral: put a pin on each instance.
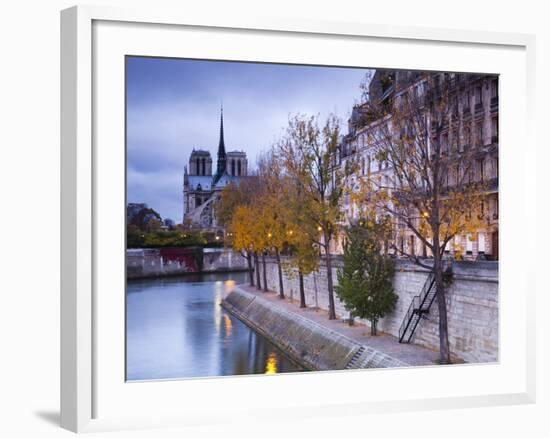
(201, 188)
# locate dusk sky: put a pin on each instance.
(173, 106)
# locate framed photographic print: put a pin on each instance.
(262, 208)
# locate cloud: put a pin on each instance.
(173, 106)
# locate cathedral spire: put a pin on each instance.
(221, 151)
(221, 145)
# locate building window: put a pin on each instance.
(455, 141)
(478, 95)
(233, 167)
(445, 143)
(467, 99)
(455, 105)
(481, 165)
(469, 244)
(239, 167)
(467, 138)
(479, 134)
(204, 166)
(481, 242)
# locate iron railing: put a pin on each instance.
(420, 304)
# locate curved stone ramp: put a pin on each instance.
(310, 344)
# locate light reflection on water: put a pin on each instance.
(271, 365)
(176, 329)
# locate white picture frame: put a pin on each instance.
(85, 377)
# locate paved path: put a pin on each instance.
(409, 353)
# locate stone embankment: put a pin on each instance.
(162, 262)
(314, 342)
(472, 305)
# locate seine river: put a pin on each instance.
(176, 328)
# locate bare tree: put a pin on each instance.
(428, 184)
(307, 154)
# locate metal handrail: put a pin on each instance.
(416, 306)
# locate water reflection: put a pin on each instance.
(176, 328)
(271, 365)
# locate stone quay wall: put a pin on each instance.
(312, 345)
(472, 303)
(222, 259)
(161, 262)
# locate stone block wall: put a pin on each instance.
(312, 345)
(472, 303)
(222, 259)
(160, 262)
(142, 263)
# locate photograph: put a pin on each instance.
(233, 219)
(288, 218)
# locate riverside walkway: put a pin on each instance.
(409, 354)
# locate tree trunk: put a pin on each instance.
(265, 274)
(330, 287)
(444, 353)
(257, 269)
(281, 290)
(351, 321)
(373, 327)
(250, 269)
(302, 292)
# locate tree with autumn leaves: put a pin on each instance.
(234, 211)
(295, 205)
(301, 232)
(254, 216)
(430, 188)
(307, 152)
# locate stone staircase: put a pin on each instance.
(366, 357)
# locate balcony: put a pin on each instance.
(478, 108)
